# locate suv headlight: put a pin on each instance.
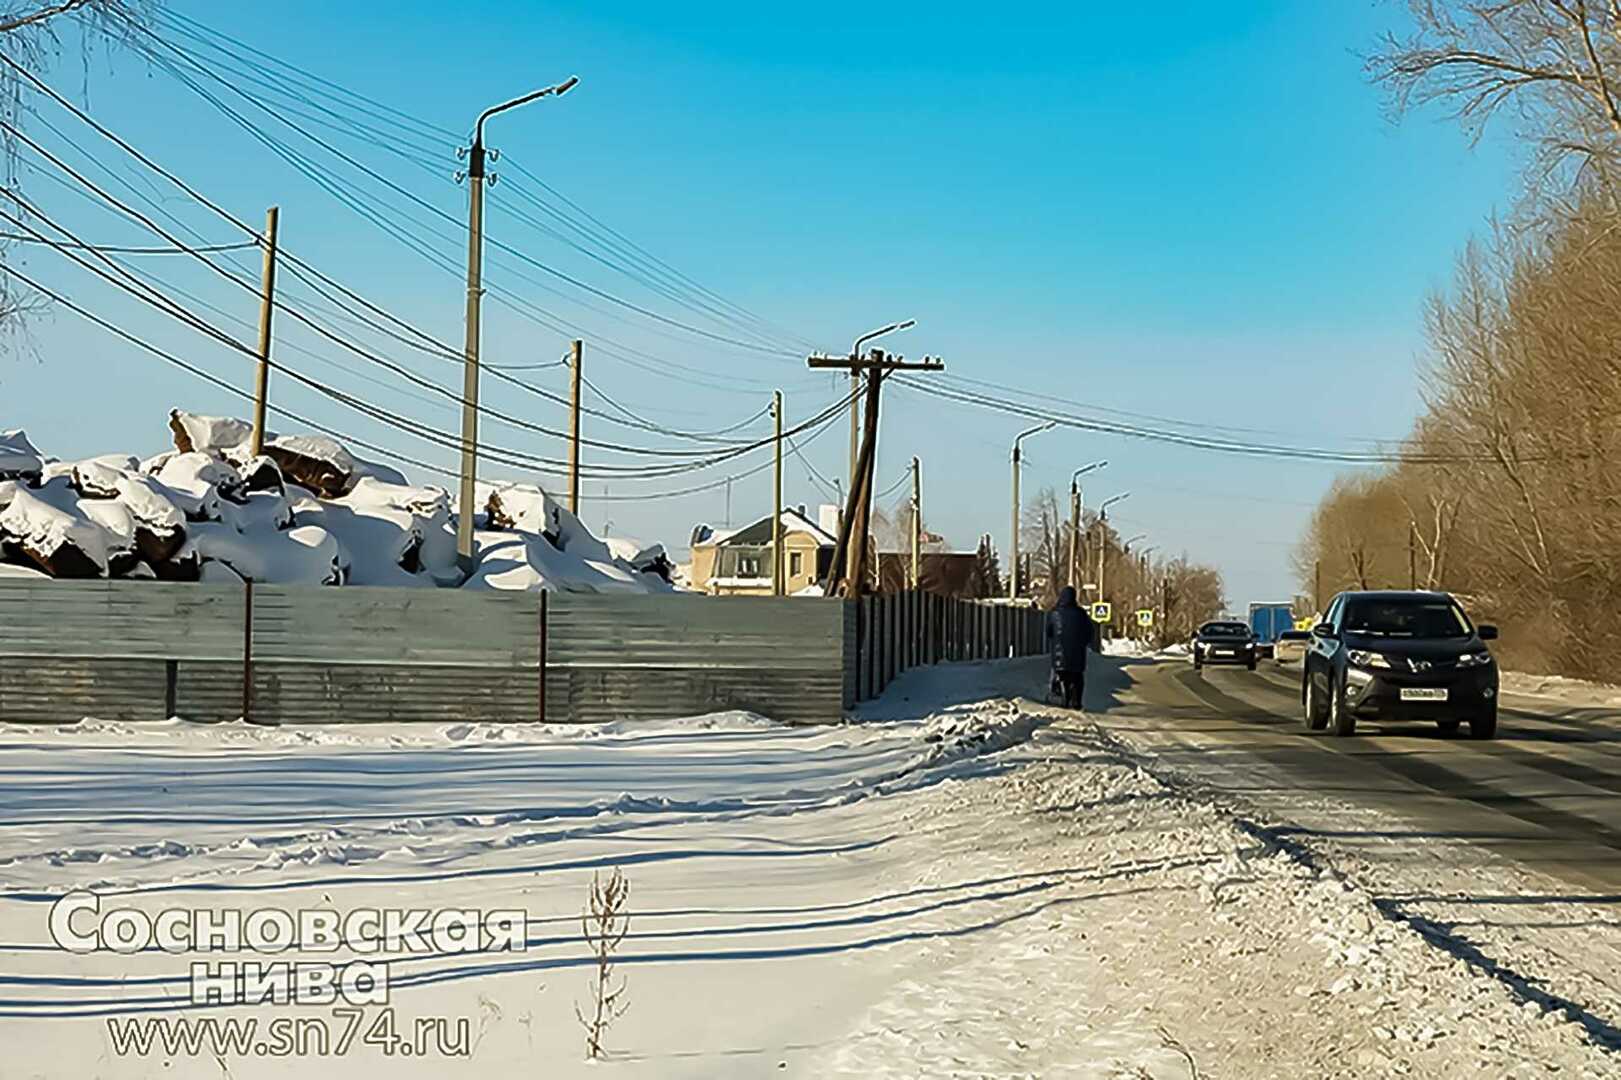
(1363, 658)
(1474, 659)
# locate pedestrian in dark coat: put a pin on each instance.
(1070, 634)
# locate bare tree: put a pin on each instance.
(604, 923)
(31, 36)
(1554, 65)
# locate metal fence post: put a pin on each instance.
(247, 651)
(541, 651)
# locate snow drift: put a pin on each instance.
(305, 512)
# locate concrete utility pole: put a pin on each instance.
(778, 582)
(576, 356)
(1103, 534)
(1143, 595)
(1073, 577)
(1013, 580)
(1125, 553)
(849, 562)
(1317, 587)
(1412, 555)
(475, 292)
(267, 304)
(917, 522)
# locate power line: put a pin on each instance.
(829, 488)
(427, 343)
(637, 262)
(299, 268)
(143, 32)
(113, 249)
(1251, 449)
(323, 331)
(153, 297)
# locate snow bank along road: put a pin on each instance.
(1505, 854)
(963, 883)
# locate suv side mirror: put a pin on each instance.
(1486, 633)
(1323, 629)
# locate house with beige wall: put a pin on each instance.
(738, 562)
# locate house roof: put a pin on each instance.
(760, 532)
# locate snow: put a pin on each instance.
(304, 555)
(197, 483)
(1126, 647)
(18, 457)
(11, 570)
(45, 520)
(151, 503)
(1561, 688)
(306, 512)
(216, 433)
(960, 883)
(321, 448)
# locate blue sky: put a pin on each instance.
(1202, 216)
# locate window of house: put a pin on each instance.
(796, 562)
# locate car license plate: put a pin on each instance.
(1224, 652)
(1423, 693)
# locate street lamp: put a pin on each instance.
(1103, 533)
(855, 387)
(1144, 593)
(855, 431)
(475, 258)
(1013, 577)
(1075, 518)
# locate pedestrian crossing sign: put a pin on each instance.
(1101, 611)
(1145, 617)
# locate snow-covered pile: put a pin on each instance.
(306, 511)
(1126, 647)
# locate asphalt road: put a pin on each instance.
(1543, 794)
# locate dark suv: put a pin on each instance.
(1399, 656)
(1222, 642)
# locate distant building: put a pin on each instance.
(944, 573)
(738, 562)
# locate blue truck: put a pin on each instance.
(1267, 621)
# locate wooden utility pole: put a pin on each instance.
(777, 579)
(576, 355)
(917, 522)
(1317, 587)
(849, 563)
(267, 305)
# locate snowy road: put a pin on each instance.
(1543, 794)
(1505, 854)
(963, 883)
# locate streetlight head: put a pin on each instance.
(566, 85)
(907, 325)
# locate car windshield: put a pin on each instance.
(1224, 630)
(1406, 618)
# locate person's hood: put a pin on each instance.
(1066, 597)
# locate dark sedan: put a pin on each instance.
(1224, 643)
(1400, 656)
